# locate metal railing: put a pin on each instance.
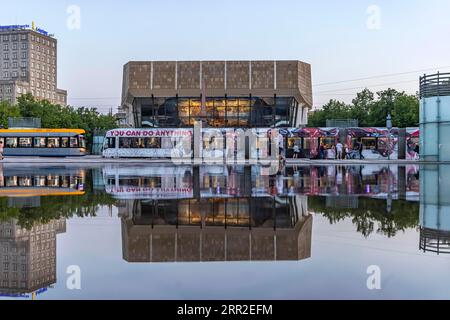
(435, 85)
(342, 123)
(436, 241)
(24, 123)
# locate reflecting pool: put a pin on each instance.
(224, 232)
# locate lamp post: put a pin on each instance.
(389, 127)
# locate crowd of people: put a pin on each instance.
(340, 151)
(337, 151)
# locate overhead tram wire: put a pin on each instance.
(363, 87)
(387, 75)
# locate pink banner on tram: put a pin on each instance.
(372, 143)
(412, 144)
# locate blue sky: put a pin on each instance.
(331, 35)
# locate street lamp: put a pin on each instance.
(389, 127)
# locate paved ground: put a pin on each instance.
(100, 160)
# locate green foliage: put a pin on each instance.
(371, 110)
(57, 116)
(371, 215)
(7, 110)
(56, 207)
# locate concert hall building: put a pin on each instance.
(221, 94)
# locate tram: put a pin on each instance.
(43, 142)
(227, 143)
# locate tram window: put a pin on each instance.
(369, 143)
(129, 182)
(25, 182)
(82, 142)
(166, 143)
(110, 143)
(73, 142)
(65, 182)
(2, 140)
(11, 181)
(39, 181)
(53, 181)
(39, 142)
(25, 142)
(53, 143)
(139, 143)
(307, 143)
(124, 143)
(153, 143)
(292, 142)
(328, 141)
(64, 142)
(11, 142)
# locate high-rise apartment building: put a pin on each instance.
(28, 64)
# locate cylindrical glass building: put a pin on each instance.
(435, 208)
(435, 117)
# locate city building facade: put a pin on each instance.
(247, 94)
(28, 64)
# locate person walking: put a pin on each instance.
(296, 151)
(322, 151)
(1, 150)
(339, 151)
(361, 149)
(347, 152)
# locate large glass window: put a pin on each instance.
(219, 111)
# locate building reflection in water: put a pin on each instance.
(28, 246)
(188, 214)
(28, 257)
(435, 209)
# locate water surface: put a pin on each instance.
(224, 232)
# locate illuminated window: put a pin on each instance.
(39, 142)
(25, 142)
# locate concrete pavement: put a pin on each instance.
(100, 160)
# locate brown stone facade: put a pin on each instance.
(264, 79)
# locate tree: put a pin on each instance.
(372, 111)
(406, 111)
(332, 110)
(57, 116)
(6, 111)
(361, 105)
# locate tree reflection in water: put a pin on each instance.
(371, 215)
